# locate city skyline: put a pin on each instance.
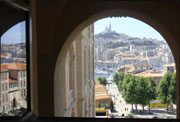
(128, 26)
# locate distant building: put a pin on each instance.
(167, 58)
(169, 68)
(151, 73)
(126, 69)
(141, 66)
(131, 48)
(17, 72)
(124, 58)
(108, 64)
(155, 63)
(103, 100)
(2, 58)
(6, 59)
(4, 89)
(128, 60)
(13, 86)
(135, 68)
(14, 93)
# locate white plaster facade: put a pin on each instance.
(4, 88)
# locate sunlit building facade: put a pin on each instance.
(79, 97)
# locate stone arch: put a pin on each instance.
(13, 18)
(168, 36)
(72, 69)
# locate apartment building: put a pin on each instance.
(4, 89)
(13, 86)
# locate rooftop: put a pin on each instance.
(16, 66)
(150, 73)
(3, 67)
(101, 92)
(129, 58)
(12, 80)
(169, 65)
(3, 56)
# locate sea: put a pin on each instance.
(101, 75)
(108, 76)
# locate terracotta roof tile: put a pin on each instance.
(12, 80)
(3, 67)
(150, 73)
(16, 66)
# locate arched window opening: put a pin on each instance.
(13, 70)
(136, 67)
(121, 73)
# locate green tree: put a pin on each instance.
(128, 89)
(102, 80)
(172, 88)
(132, 91)
(126, 80)
(121, 76)
(142, 94)
(116, 78)
(164, 88)
(151, 91)
(99, 79)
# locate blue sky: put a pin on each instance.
(15, 34)
(129, 26)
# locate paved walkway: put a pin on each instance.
(119, 103)
(123, 108)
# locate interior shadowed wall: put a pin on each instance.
(54, 21)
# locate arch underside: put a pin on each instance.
(171, 40)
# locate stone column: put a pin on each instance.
(79, 75)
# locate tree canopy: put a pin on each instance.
(102, 80)
(141, 90)
(151, 90)
(167, 89)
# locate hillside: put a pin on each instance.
(112, 39)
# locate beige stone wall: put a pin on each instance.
(4, 88)
(12, 95)
(22, 88)
(79, 76)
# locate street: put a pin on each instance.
(123, 108)
(119, 103)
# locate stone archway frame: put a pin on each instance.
(167, 35)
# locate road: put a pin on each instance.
(119, 103)
(123, 108)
